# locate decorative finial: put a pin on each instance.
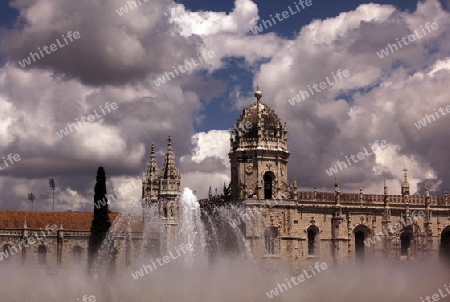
(258, 94)
(406, 176)
(153, 147)
(169, 140)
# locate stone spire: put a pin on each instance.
(152, 165)
(386, 196)
(337, 192)
(258, 96)
(405, 184)
(387, 210)
(25, 229)
(427, 197)
(169, 162)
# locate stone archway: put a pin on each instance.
(444, 248)
(7, 251)
(313, 236)
(406, 239)
(359, 244)
(360, 234)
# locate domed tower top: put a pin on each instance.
(258, 153)
(259, 125)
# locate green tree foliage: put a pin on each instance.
(100, 223)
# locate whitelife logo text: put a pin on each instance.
(411, 38)
(342, 165)
(323, 85)
(90, 118)
(35, 56)
(187, 66)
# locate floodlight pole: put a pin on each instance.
(31, 198)
(51, 183)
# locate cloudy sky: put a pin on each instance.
(121, 52)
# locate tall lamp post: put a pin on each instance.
(244, 158)
(31, 198)
(51, 183)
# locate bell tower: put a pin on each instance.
(164, 184)
(162, 188)
(258, 153)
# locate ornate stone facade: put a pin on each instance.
(334, 226)
(162, 187)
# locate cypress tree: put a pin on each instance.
(100, 223)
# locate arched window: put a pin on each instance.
(444, 248)
(405, 243)
(361, 232)
(270, 244)
(311, 239)
(267, 186)
(445, 245)
(7, 251)
(42, 254)
(76, 254)
(312, 233)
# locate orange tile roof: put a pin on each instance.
(80, 221)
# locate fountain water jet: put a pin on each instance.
(191, 228)
(225, 279)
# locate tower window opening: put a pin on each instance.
(267, 186)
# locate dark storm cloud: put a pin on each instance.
(112, 49)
